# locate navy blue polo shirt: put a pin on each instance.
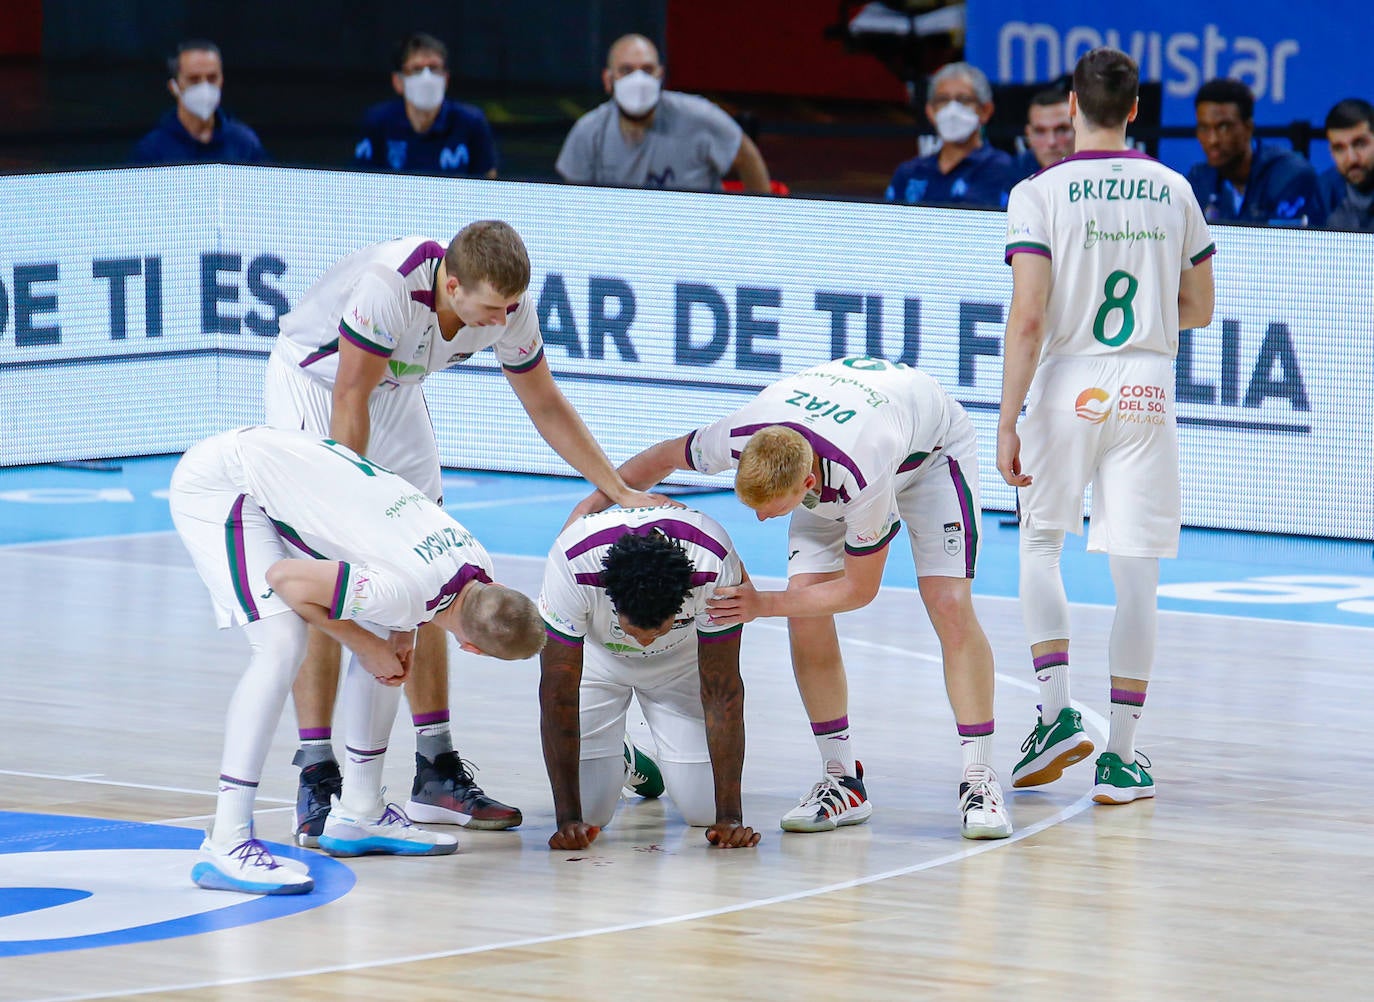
(170, 143)
(984, 177)
(459, 141)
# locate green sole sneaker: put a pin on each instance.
(1052, 748)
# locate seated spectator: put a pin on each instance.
(1049, 132)
(965, 170)
(420, 131)
(197, 130)
(1241, 180)
(645, 136)
(1349, 186)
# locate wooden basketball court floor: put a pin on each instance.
(1247, 878)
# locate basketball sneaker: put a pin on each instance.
(642, 776)
(1119, 783)
(981, 804)
(1051, 748)
(249, 868)
(386, 831)
(836, 800)
(445, 793)
(319, 784)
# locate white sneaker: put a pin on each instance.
(249, 868)
(642, 775)
(836, 800)
(981, 804)
(389, 832)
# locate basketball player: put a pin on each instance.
(349, 364)
(846, 448)
(1110, 256)
(380, 558)
(624, 603)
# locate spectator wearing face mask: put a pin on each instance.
(965, 170)
(197, 130)
(420, 131)
(649, 137)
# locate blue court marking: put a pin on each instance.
(1216, 572)
(49, 863)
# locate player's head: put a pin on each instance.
(487, 270)
(959, 102)
(420, 71)
(647, 578)
(1225, 121)
(1106, 86)
(775, 471)
(1049, 127)
(500, 622)
(633, 76)
(196, 77)
(1350, 134)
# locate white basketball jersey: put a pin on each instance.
(869, 421)
(381, 299)
(1119, 227)
(403, 557)
(574, 603)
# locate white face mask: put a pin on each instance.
(637, 93)
(956, 123)
(425, 90)
(201, 100)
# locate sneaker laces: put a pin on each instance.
(459, 770)
(393, 815)
(982, 783)
(254, 852)
(828, 793)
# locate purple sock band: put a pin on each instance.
(1128, 697)
(315, 733)
(823, 727)
(365, 752)
(975, 730)
(232, 781)
(1052, 660)
(424, 719)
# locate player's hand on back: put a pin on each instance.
(573, 835)
(731, 834)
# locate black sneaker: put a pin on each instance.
(445, 793)
(319, 784)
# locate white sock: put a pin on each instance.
(1126, 709)
(1052, 672)
(832, 738)
(233, 813)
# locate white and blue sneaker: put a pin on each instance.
(249, 868)
(388, 832)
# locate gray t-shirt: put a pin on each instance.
(690, 144)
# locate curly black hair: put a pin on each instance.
(647, 578)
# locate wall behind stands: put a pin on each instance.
(137, 308)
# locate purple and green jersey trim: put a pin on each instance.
(1027, 247)
(358, 341)
(863, 551)
(339, 603)
(729, 633)
(526, 366)
(559, 637)
(1203, 254)
(970, 516)
(238, 559)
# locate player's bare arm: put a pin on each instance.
(1031, 275)
(559, 424)
(753, 172)
(307, 586)
(722, 699)
(360, 372)
(853, 589)
(640, 473)
(560, 680)
(1196, 296)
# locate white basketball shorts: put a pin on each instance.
(1109, 421)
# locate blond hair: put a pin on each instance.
(489, 251)
(774, 462)
(501, 622)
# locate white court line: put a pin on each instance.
(1091, 717)
(127, 786)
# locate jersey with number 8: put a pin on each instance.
(1118, 228)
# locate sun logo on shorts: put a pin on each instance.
(1091, 405)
